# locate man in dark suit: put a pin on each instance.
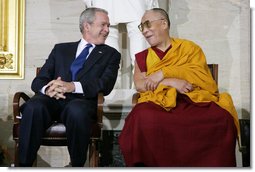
(67, 91)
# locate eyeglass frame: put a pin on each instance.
(147, 23)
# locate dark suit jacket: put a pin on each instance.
(98, 74)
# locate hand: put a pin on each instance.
(181, 85)
(54, 89)
(57, 88)
(152, 81)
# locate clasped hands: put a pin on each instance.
(152, 81)
(57, 88)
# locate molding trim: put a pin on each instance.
(12, 23)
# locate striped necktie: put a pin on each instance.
(79, 61)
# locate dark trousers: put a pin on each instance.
(41, 111)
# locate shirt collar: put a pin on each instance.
(83, 43)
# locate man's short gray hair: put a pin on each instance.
(164, 14)
(88, 15)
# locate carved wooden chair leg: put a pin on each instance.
(92, 148)
(16, 154)
(93, 154)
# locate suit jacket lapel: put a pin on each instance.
(94, 56)
(70, 56)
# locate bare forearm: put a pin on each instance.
(140, 85)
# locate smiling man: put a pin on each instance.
(181, 120)
(67, 87)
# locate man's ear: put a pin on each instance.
(165, 24)
(86, 26)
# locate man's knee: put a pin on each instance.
(77, 110)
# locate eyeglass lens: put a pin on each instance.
(147, 24)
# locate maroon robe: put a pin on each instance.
(189, 135)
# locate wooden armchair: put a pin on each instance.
(55, 135)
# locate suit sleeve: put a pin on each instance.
(46, 73)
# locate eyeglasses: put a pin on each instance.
(147, 24)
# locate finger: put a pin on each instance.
(182, 91)
(56, 97)
(53, 82)
(146, 85)
(153, 86)
(189, 86)
(52, 88)
(186, 90)
(150, 86)
(60, 89)
(52, 93)
(60, 95)
(50, 83)
(58, 82)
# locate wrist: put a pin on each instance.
(46, 90)
(161, 75)
(72, 85)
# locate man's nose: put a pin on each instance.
(145, 30)
(107, 29)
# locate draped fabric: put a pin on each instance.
(189, 135)
(168, 129)
(185, 60)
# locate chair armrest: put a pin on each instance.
(135, 98)
(100, 112)
(18, 96)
